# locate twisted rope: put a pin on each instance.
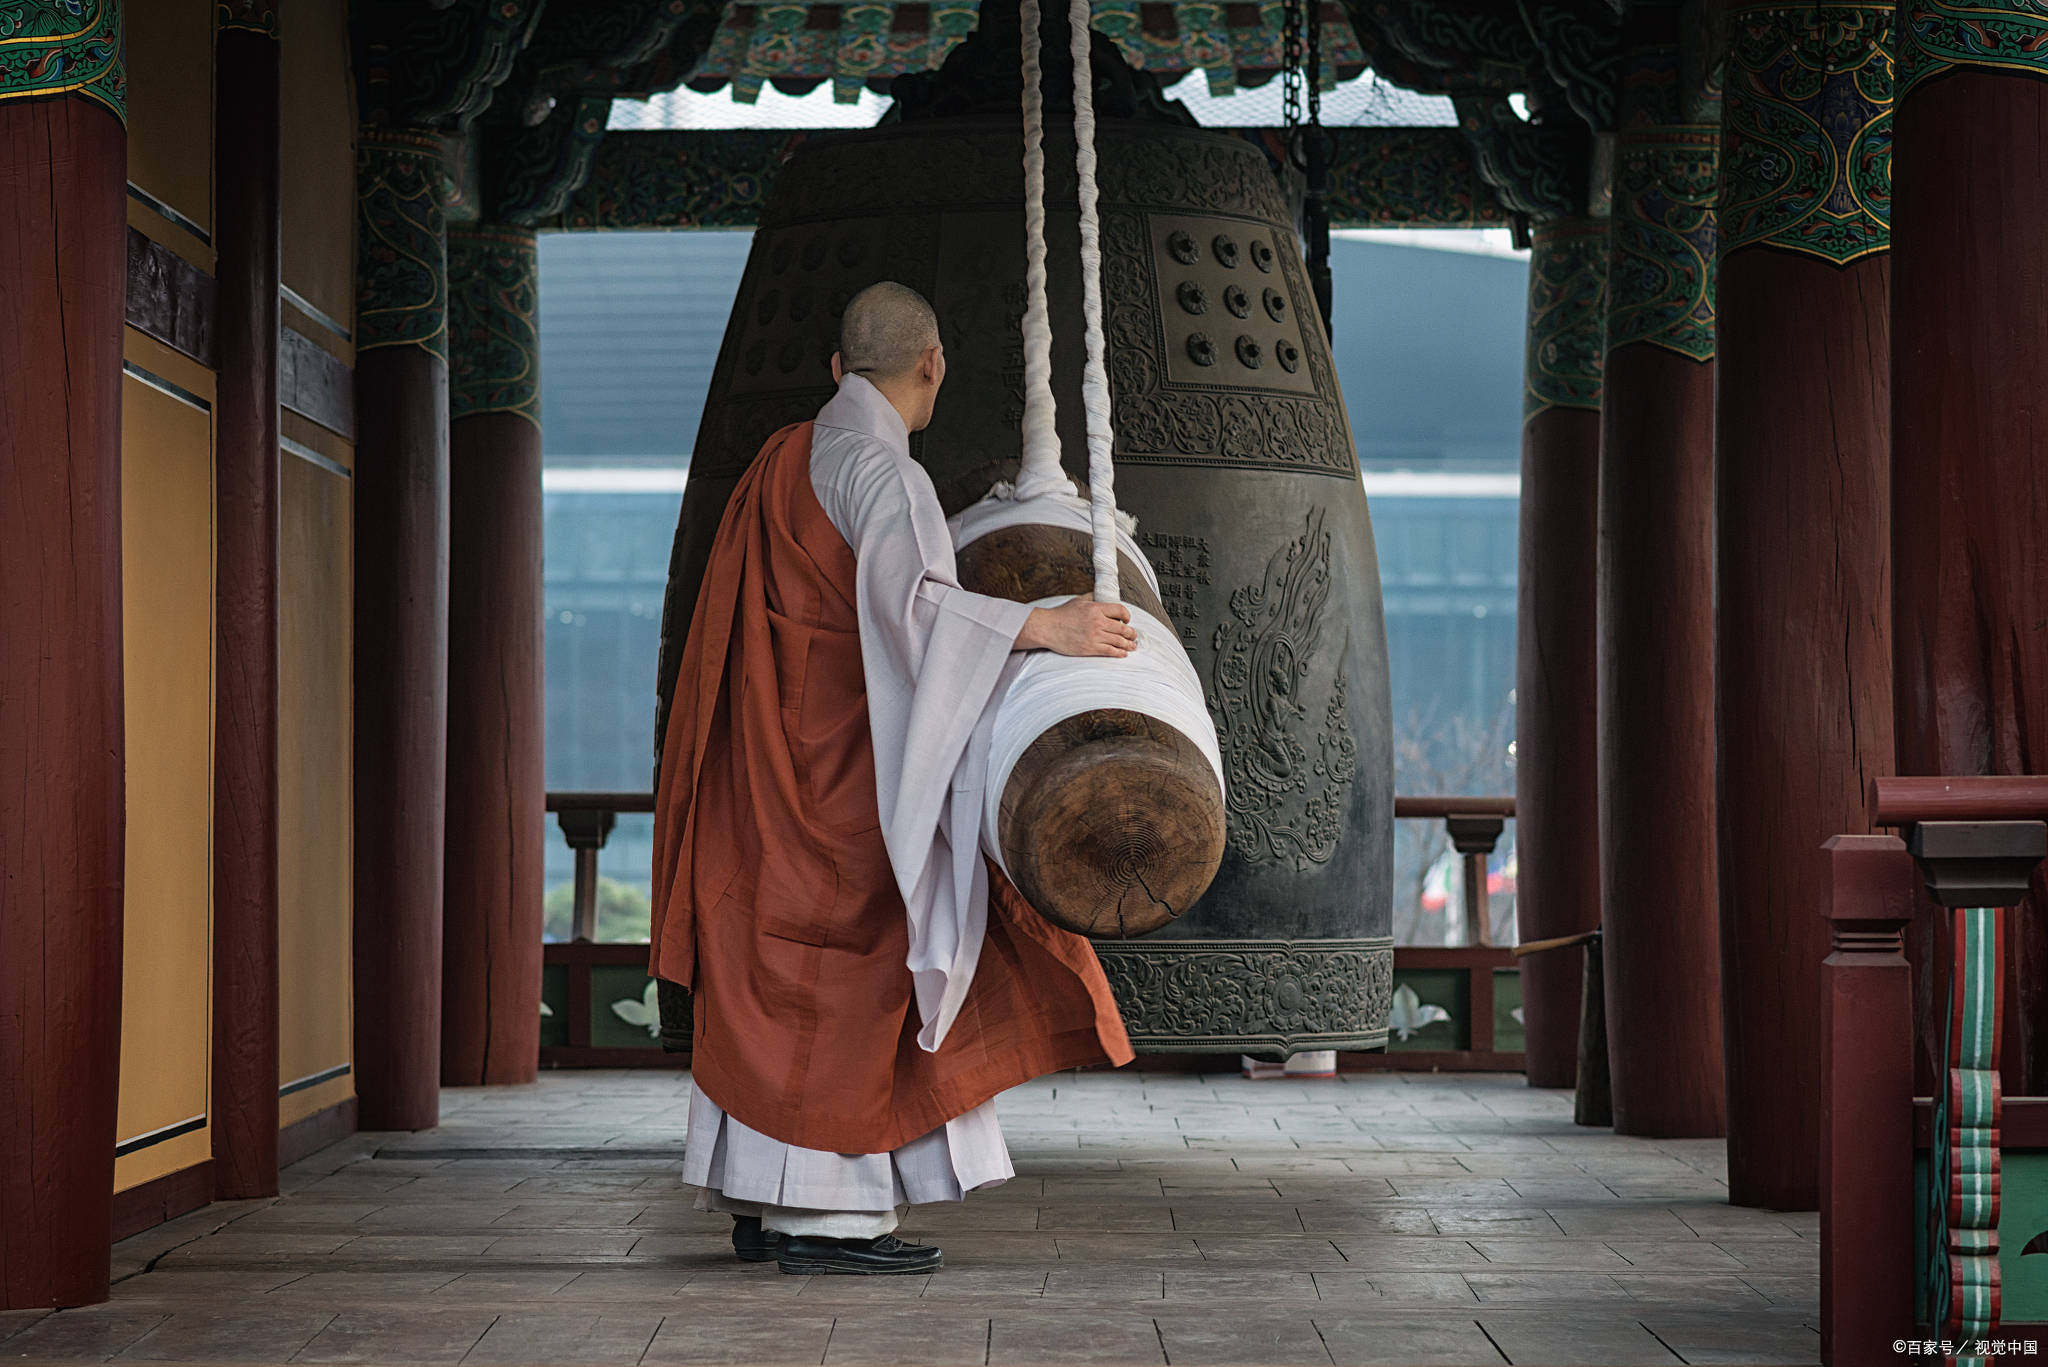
(1040, 471)
(1094, 371)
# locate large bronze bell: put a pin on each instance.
(1232, 449)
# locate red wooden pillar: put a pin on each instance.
(245, 800)
(63, 259)
(1557, 762)
(1866, 1101)
(1970, 431)
(1801, 479)
(1657, 604)
(497, 779)
(401, 636)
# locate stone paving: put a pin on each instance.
(1169, 1218)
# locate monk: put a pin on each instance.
(864, 981)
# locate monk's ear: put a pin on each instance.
(837, 373)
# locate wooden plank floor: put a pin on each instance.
(1155, 1218)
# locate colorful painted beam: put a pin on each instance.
(799, 46)
(1379, 178)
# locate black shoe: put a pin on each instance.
(806, 1255)
(752, 1243)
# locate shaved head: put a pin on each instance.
(885, 331)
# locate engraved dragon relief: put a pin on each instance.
(1284, 803)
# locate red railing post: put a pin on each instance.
(1976, 870)
(1474, 836)
(1866, 1115)
(586, 831)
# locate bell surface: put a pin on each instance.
(1232, 449)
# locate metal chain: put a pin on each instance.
(1290, 66)
(1314, 72)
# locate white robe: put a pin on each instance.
(935, 655)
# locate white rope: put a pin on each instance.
(1040, 471)
(1094, 373)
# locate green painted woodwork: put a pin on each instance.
(1406, 178)
(554, 1003)
(252, 16)
(1939, 36)
(1448, 989)
(1581, 45)
(1379, 177)
(679, 180)
(1448, 46)
(402, 249)
(1567, 315)
(435, 65)
(861, 45)
(1807, 130)
(493, 337)
(1538, 169)
(1963, 1263)
(2022, 1216)
(1508, 1035)
(62, 47)
(533, 171)
(622, 1008)
(1661, 269)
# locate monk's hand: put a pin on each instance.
(1081, 626)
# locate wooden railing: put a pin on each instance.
(586, 820)
(1472, 972)
(1968, 1159)
(587, 984)
(581, 1033)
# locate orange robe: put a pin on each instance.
(774, 898)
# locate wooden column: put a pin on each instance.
(1802, 467)
(1866, 1101)
(63, 260)
(497, 777)
(1657, 605)
(401, 635)
(1970, 506)
(1557, 762)
(245, 755)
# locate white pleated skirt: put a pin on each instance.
(722, 1155)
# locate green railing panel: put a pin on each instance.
(622, 1011)
(554, 1006)
(1508, 1035)
(2023, 1216)
(1433, 1006)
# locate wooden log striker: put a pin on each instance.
(1112, 822)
